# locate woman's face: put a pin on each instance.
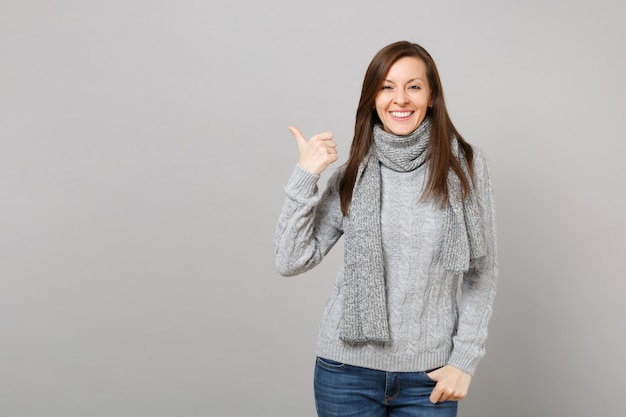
(404, 97)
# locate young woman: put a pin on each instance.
(415, 206)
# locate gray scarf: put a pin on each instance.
(364, 316)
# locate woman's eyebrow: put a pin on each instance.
(409, 81)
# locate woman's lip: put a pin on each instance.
(405, 114)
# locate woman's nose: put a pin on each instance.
(401, 97)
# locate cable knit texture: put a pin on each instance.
(364, 312)
(429, 326)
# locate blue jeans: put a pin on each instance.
(350, 391)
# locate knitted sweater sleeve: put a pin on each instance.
(309, 224)
(479, 282)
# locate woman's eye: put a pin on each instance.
(386, 87)
(414, 87)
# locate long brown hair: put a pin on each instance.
(441, 159)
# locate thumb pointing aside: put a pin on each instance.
(317, 153)
(302, 142)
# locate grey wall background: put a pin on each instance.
(143, 153)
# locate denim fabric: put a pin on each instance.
(350, 391)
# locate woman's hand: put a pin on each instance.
(317, 153)
(452, 384)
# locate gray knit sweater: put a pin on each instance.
(431, 323)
